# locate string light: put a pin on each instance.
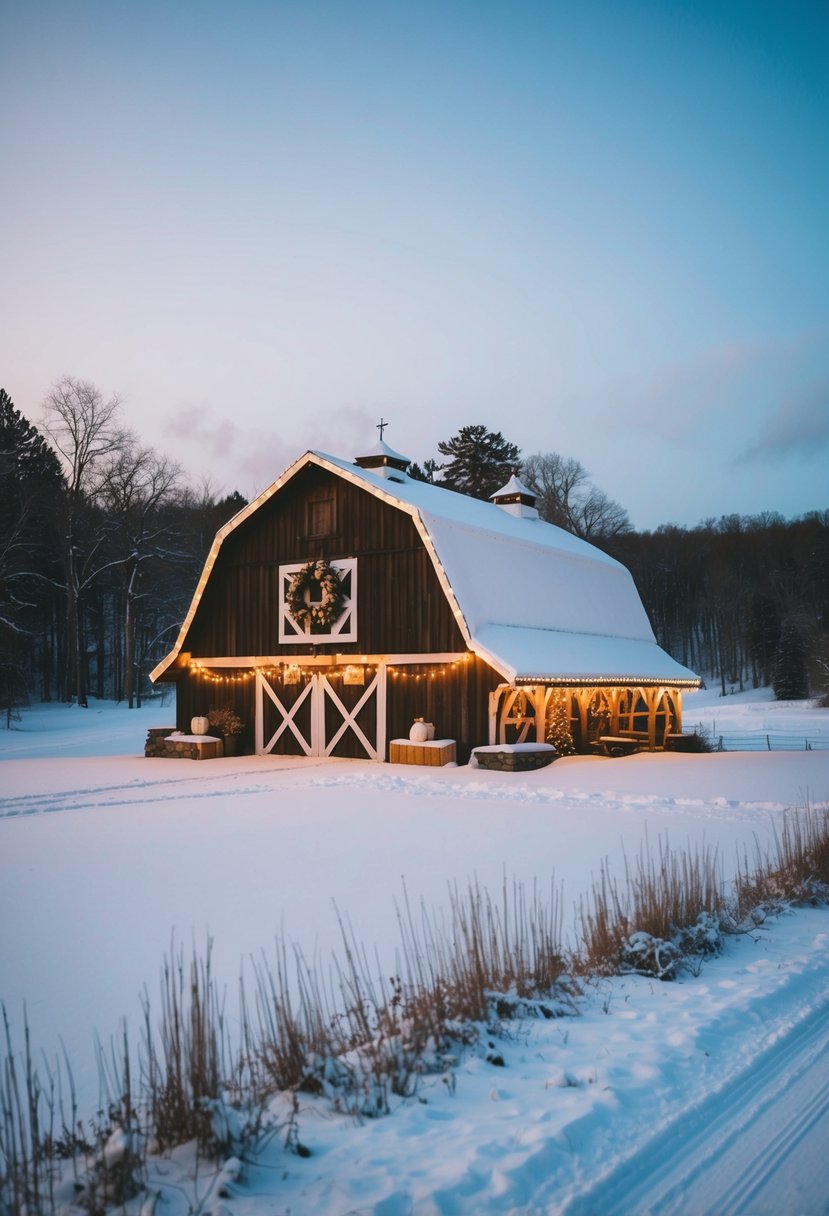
(431, 673)
(288, 673)
(230, 676)
(295, 673)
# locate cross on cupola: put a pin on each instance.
(381, 426)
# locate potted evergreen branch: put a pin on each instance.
(226, 722)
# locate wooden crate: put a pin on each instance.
(435, 753)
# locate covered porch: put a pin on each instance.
(635, 717)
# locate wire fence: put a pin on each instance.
(757, 741)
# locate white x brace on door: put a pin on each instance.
(313, 719)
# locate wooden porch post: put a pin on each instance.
(539, 702)
(494, 699)
(583, 696)
(613, 695)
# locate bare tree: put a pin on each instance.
(600, 517)
(85, 430)
(135, 486)
(568, 498)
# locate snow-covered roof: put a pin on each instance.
(513, 486)
(528, 597)
(381, 448)
(529, 655)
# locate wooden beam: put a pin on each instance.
(329, 660)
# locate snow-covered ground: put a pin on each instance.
(710, 1094)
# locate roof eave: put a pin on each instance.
(582, 680)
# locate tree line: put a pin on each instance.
(102, 540)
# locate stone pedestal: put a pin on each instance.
(164, 743)
(156, 735)
(515, 757)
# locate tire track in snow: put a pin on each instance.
(719, 1156)
(750, 1183)
(541, 795)
(21, 805)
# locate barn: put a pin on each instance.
(349, 599)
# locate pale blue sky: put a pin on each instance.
(598, 227)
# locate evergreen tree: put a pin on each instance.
(789, 678)
(31, 483)
(427, 473)
(481, 461)
(558, 725)
(25, 456)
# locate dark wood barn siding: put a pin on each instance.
(195, 695)
(457, 703)
(401, 607)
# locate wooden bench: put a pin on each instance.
(434, 753)
(515, 757)
(618, 745)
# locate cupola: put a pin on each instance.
(516, 499)
(385, 462)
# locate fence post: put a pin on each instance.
(768, 743)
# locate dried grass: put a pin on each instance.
(662, 894)
(358, 1036)
(795, 870)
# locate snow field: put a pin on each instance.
(103, 856)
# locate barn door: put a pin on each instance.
(284, 717)
(322, 716)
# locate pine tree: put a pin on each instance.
(789, 679)
(482, 461)
(24, 453)
(30, 487)
(427, 473)
(558, 725)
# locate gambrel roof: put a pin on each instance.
(535, 602)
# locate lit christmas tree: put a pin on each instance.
(558, 725)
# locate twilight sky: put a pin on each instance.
(601, 228)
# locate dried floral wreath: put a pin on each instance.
(313, 580)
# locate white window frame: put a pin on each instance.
(344, 629)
